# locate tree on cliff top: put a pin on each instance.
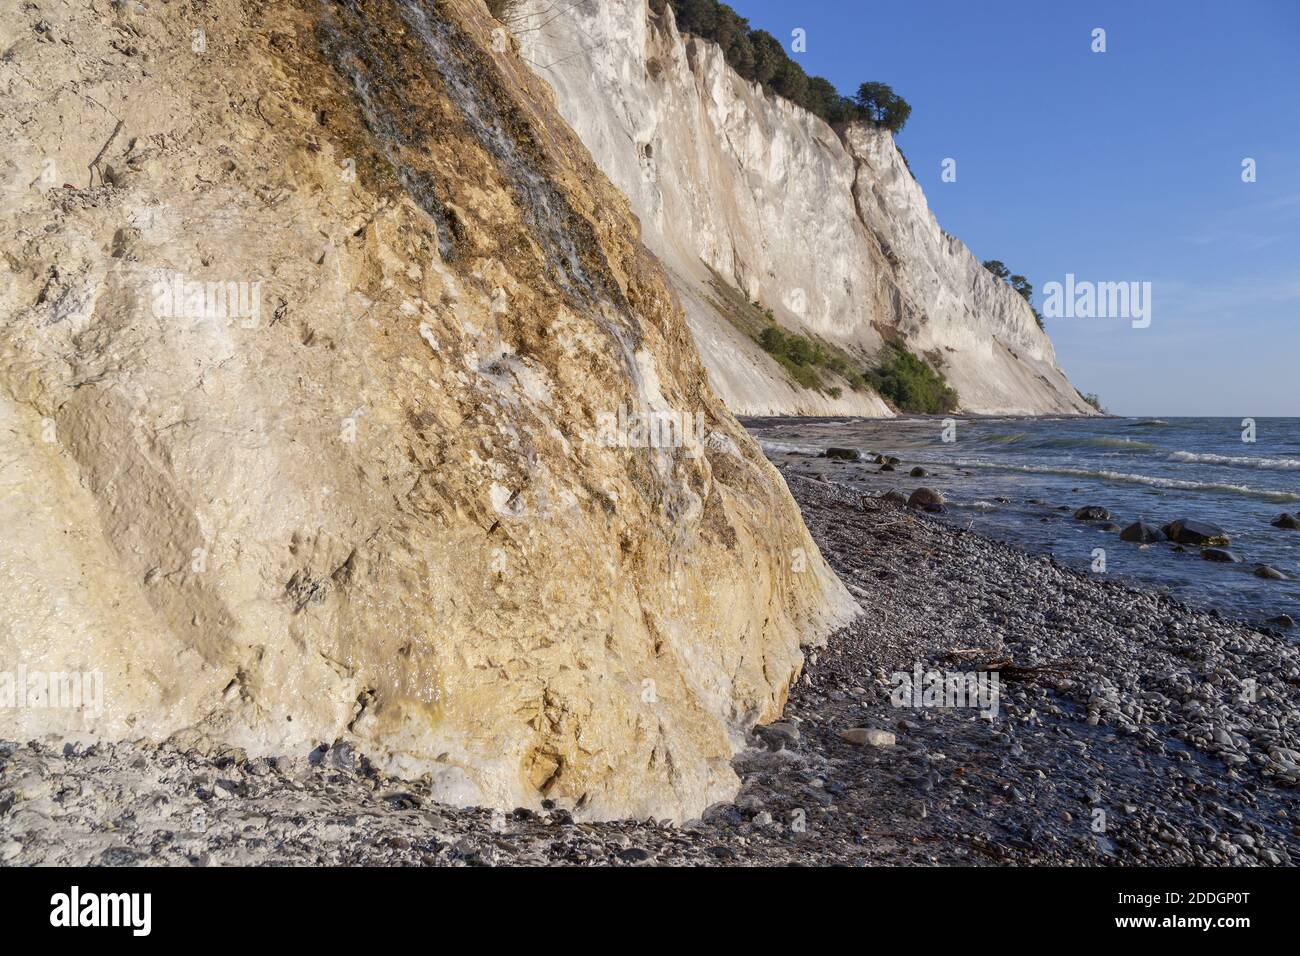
(882, 106)
(760, 58)
(1017, 282)
(999, 270)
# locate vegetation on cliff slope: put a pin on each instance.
(802, 357)
(910, 384)
(806, 360)
(1093, 399)
(759, 57)
(1017, 282)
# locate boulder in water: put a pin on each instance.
(926, 499)
(1220, 555)
(1092, 513)
(844, 454)
(1287, 521)
(1270, 573)
(1187, 531)
(1142, 533)
(918, 472)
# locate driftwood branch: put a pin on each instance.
(1008, 670)
(94, 163)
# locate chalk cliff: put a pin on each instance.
(313, 316)
(747, 198)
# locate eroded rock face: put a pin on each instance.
(737, 189)
(310, 380)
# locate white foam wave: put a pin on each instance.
(786, 447)
(1150, 480)
(1240, 461)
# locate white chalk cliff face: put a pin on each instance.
(833, 235)
(315, 319)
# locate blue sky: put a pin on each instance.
(1115, 166)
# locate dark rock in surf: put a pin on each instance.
(1220, 555)
(1287, 521)
(1282, 620)
(1142, 533)
(1187, 531)
(918, 472)
(1269, 573)
(844, 454)
(927, 499)
(886, 467)
(1092, 513)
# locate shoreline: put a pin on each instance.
(1131, 730)
(760, 420)
(1022, 483)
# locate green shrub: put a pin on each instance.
(788, 345)
(799, 350)
(805, 375)
(802, 357)
(910, 384)
(773, 340)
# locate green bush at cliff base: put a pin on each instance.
(910, 384)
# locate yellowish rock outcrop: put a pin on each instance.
(315, 320)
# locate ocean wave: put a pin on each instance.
(1009, 438)
(769, 445)
(1127, 478)
(1088, 441)
(1241, 461)
(1127, 444)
